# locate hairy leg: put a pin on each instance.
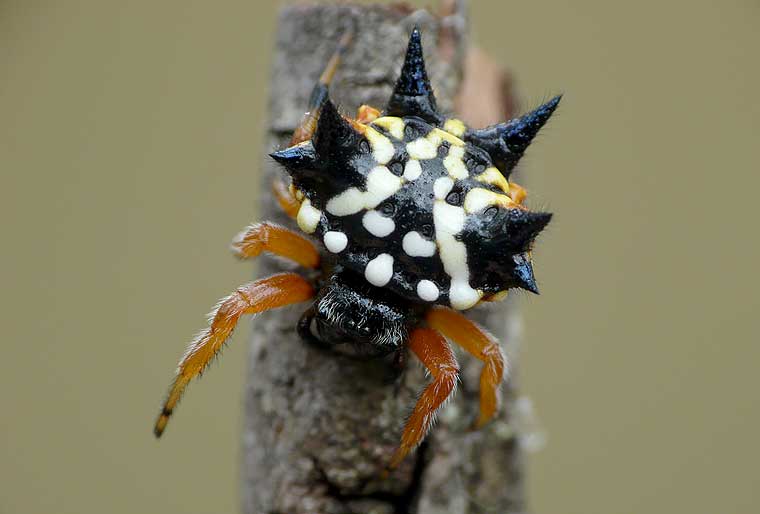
(366, 114)
(287, 202)
(481, 345)
(434, 352)
(261, 295)
(308, 123)
(268, 237)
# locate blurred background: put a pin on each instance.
(130, 137)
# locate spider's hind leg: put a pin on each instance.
(480, 345)
(434, 352)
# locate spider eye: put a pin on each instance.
(427, 230)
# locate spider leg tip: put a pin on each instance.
(163, 419)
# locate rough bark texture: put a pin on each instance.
(319, 427)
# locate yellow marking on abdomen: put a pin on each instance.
(479, 198)
(455, 127)
(395, 126)
(494, 177)
(427, 147)
(308, 217)
(454, 163)
(382, 148)
(437, 135)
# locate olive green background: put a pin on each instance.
(130, 137)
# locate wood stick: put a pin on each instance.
(319, 427)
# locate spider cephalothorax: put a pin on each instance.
(416, 220)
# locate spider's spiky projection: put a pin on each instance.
(417, 221)
(413, 95)
(506, 142)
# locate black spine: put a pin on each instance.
(506, 142)
(413, 95)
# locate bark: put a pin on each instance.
(319, 427)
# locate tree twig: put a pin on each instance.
(319, 427)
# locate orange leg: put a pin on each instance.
(288, 203)
(308, 123)
(517, 193)
(475, 341)
(434, 352)
(366, 114)
(268, 237)
(258, 296)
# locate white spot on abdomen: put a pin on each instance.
(412, 170)
(421, 148)
(442, 186)
(427, 290)
(308, 217)
(336, 242)
(416, 246)
(427, 147)
(378, 225)
(381, 185)
(348, 202)
(382, 148)
(449, 221)
(379, 270)
(462, 296)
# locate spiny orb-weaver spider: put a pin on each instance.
(418, 222)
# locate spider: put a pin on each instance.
(417, 222)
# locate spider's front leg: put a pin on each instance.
(482, 346)
(268, 237)
(285, 199)
(319, 94)
(366, 114)
(258, 296)
(308, 123)
(434, 352)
